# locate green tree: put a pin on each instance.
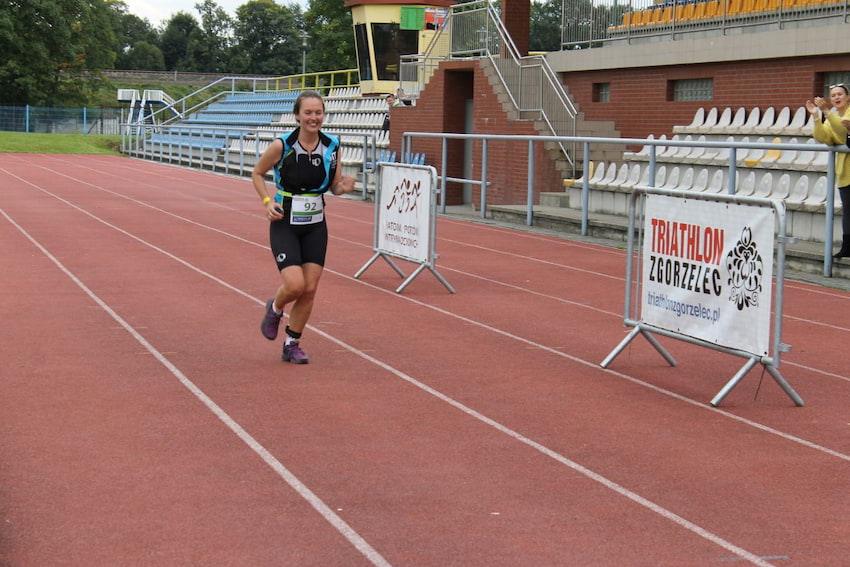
(143, 56)
(209, 47)
(268, 38)
(52, 49)
(545, 28)
(175, 42)
(331, 36)
(137, 41)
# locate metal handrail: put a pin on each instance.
(474, 30)
(258, 84)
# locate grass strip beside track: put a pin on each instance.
(19, 142)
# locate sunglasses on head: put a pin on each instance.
(838, 85)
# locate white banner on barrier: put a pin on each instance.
(708, 270)
(404, 227)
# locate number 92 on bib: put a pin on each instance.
(307, 209)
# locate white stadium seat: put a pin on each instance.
(748, 184)
(701, 181)
(800, 192)
(699, 118)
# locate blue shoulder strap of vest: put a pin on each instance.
(331, 143)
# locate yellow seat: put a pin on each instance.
(589, 173)
(733, 7)
(685, 13)
(627, 17)
(773, 154)
(768, 156)
(654, 17)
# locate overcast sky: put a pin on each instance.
(156, 11)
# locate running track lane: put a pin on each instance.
(382, 446)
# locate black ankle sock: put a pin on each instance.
(289, 332)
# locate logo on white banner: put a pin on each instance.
(745, 271)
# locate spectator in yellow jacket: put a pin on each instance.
(831, 128)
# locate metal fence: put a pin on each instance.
(593, 23)
(732, 177)
(48, 120)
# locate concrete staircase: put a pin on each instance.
(599, 152)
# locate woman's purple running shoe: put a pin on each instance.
(293, 353)
(271, 321)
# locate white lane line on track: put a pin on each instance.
(815, 370)
(308, 495)
(479, 226)
(811, 288)
(338, 523)
(811, 322)
(593, 365)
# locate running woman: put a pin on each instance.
(306, 165)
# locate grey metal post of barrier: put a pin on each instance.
(733, 170)
(365, 154)
(484, 178)
(530, 198)
(242, 154)
(444, 157)
(585, 189)
(652, 165)
(772, 359)
(226, 152)
(830, 215)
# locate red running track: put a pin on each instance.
(145, 421)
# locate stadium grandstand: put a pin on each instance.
(677, 74)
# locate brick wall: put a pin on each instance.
(516, 15)
(639, 97)
(441, 108)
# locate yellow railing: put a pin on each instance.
(318, 81)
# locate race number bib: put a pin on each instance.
(307, 209)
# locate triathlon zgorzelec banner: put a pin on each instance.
(708, 269)
(405, 207)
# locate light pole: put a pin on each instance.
(304, 37)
